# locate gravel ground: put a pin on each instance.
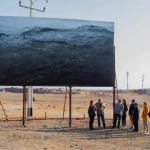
(56, 135)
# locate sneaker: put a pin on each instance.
(124, 127)
(143, 131)
(135, 131)
(113, 127)
(147, 133)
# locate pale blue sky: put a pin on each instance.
(132, 29)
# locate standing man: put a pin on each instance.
(100, 112)
(119, 109)
(131, 108)
(135, 115)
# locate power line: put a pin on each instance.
(3, 2)
(8, 8)
(6, 1)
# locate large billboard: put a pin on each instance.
(56, 52)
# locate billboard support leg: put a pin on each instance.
(24, 103)
(113, 102)
(70, 100)
(114, 90)
(30, 101)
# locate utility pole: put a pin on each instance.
(127, 73)
(142, 80)
(31, 7)
(30, 89)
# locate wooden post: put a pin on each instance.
(65, 103)
(45, 115)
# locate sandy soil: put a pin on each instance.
(54, 134)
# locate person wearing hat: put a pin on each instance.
(135, 115)
(91, 112)
(145, 118)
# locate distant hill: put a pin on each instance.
(53, 91)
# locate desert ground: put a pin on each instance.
(46, 130)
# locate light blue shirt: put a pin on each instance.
(118, 108)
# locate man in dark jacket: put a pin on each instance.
(131, 108)
(91, 112)
(135, 114)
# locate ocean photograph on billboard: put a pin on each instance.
(56, 52)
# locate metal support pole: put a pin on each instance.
(114, 101)
(31, 5)
(114, 93)
(31, 109)
(24, 103)
(70, 94)
(127, 73)
(142, 80)
(30, 101)
(25, 107)
(127, 83)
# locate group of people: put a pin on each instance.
(99, 108)
(120, 114)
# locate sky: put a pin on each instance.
(131, 30)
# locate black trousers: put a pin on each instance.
(117, 116)
(124, 119)
(135, 123)
(91, 122)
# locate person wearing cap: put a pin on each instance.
(145, 118)
(135, 115)
(100, 112)
(131, 108)
(91, 112)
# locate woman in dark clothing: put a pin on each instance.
(131, 108)
(124, 113)
(135, 114)
(91, 112)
